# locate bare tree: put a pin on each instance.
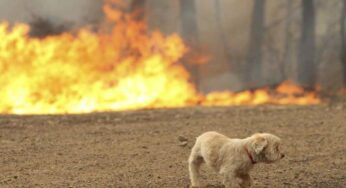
(288, 38)
(189, 31)
(306, 54)
(221, 29)
(138, 7)
(343, 40)
(254, 56)
(189, 20)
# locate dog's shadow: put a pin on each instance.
(210, 186)
(215, 186)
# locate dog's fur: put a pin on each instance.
(232, 158)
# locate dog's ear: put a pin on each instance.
(259, 144)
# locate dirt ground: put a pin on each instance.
(141, 148)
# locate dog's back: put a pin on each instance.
(208, 146)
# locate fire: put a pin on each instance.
(126, 68)
(285, 94)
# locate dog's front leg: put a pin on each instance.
(230, 180)
(246, 181)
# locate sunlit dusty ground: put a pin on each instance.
(140, 149)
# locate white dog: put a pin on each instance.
(232, 158)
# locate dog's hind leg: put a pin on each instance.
(195, 161)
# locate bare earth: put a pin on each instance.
(141, 148)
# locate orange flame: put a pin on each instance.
(127, 68)
(285, 94)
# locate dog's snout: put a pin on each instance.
(282, 155)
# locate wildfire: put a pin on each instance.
(285, 94)
(126, 68)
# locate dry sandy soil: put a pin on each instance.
(141, 148)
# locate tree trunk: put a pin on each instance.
(138, 8)
(221, 29)
(254, 56)
(288, 40)
(189, 31)
(343, 40)
(306, 55)
(189, 20)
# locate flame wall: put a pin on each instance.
(125, 68)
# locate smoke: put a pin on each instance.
(76, 12)
(229, 43)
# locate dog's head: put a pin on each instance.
(266, 147)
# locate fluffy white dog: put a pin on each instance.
(232, 158)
